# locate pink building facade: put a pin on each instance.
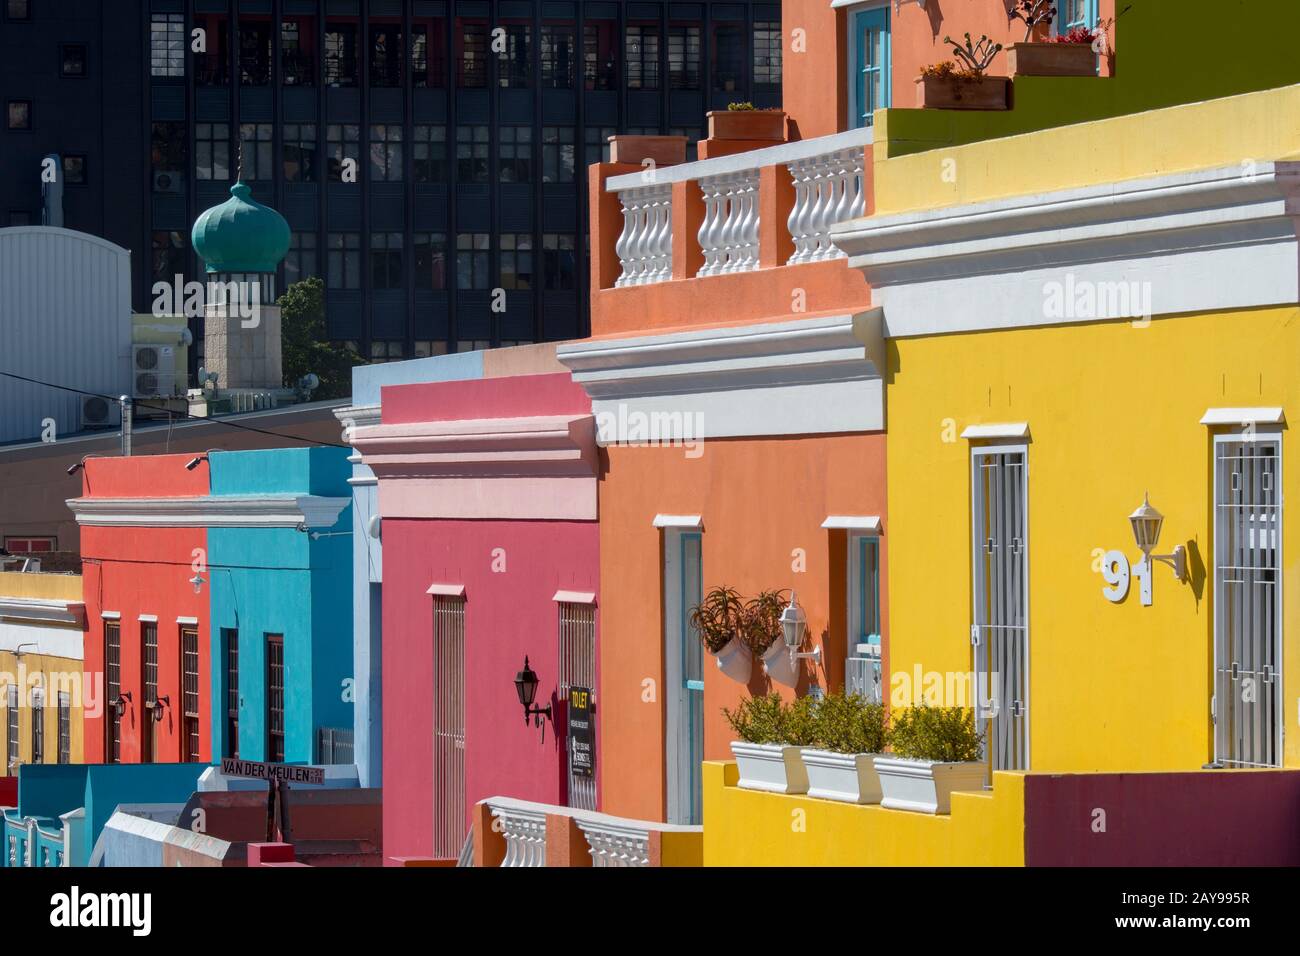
(487, 499)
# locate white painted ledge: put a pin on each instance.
(996, 431)
(438, 589)
(678, 521)
(1243, 416)
(214, 511)
(852, 522)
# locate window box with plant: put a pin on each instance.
(849, 733)
(1073, 53)
(742, 121)
(719, 620)
(935, 753)
(772, 735)
(964, 85)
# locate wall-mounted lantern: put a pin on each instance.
(198, 583)
(156, 708)
(793, 624)
(119, 703)
(526, 688)
(1147, 523)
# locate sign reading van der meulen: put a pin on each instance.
(582, 754)
(272, 771)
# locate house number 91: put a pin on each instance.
(1115, 571)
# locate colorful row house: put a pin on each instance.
(487, 496)
(42, 619)
(249, 543)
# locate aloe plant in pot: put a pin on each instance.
(935, 752)
(719, 620)
(764, 636)
(849, 733)
(772, 733)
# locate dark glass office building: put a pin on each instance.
(429, 155)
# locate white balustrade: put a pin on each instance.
(729, 233)
(645, 246)
(525, 835)
(613, 845)
(827, 190)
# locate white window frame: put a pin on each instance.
(857, 611)
(851, 9)
(678, 772)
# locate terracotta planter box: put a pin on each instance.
(1051, 59)
(747, 124)
(951, 93)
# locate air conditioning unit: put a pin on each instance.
(153, 371)
(165, 182)
(98, 412)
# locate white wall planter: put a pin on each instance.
(850, 778)
(925, 786)
(735, 661)
(775, 768)
(779, 667)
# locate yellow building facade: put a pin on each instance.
(42, 695)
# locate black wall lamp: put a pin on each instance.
(120, 701)
(157, 707)
(526, 688)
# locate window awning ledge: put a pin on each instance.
(446, 590)
(575, 597)
(678, 521)
(852, 522)
(1243, 416)
(996, 430)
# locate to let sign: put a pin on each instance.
(582, 753)
(258, 770)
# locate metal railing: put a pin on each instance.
(334, 745)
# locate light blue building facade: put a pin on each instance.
(367, 549)
(280, 566)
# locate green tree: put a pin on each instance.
(304, 347)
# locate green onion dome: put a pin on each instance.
(241, 235)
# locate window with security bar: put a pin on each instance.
(230, 641)
(1000, 630)
(11, 730)
(449, 822)
(65, 727)
(578, 669)
(190, 694)
(275, 698)
(149, 668)
(1247, 706)
(38, 725)
(112, 691)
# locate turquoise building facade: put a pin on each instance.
(283, 680)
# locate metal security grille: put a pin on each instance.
(230, 636)
(1000, 633)
(1247, 602)
(334, 745)
(149, 667)
(275, 697)
(449, 825)
(690, 749)
(11, 730)
(65, 727)
(578, 669)
(190, 693)
(112, 691)
(38, 726)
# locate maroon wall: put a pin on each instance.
(1209, 818)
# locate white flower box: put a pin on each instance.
(850, 778)
(775, 768)
(925, 786)
(735, 661)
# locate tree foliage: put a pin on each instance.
(304, 346)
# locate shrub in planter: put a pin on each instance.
(719, 620)
(771, 734)
(936, 751)
(849, 732)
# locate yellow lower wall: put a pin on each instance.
(50, 671)
(751, 828)
(1114, 411)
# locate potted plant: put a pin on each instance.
(719, 621)
(762, 630)
(1069, 54)
(772, 734)
(936, 751)
(849, 733)
(966, 87)
(743, 121)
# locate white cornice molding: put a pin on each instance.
(1185, 242)
(540, 446)
(809, 376)
(352, 417)
(218, 511)
(43, 611)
